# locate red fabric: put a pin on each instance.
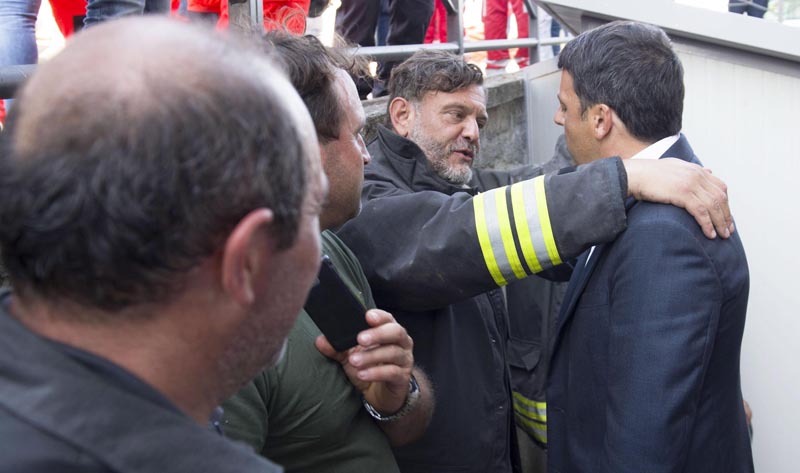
(204, 6)
(438, 24)
(288, 14)
(495, 26)
(65, 11)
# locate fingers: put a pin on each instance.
(710, 204)
(366, 361)
(693, 188)
(381, 363)
(723, 220)
(385, 353)
(325, 347)
(385, 331)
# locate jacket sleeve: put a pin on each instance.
(424, 250)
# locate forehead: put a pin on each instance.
(352, 111)
(473, 96)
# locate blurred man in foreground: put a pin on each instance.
(148, 226)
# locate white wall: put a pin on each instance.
(742, 122)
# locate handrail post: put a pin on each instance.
(455, 23)
(246, 13)
(533, 30)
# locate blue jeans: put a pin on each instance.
(17, 32)
(102, 10)
(752, 9)
(17, 35)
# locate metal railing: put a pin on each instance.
(248, 12)
(455, 38)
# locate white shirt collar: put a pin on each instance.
(657, 149)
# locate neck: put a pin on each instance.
(327, 223)
(149, 342)
(328, 220)
(625, 148)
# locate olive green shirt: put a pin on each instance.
(304, 414)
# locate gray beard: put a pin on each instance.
(459, 176)
(437, 154)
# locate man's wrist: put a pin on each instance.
(411, 400)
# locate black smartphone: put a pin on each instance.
(338, 313)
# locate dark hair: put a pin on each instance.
(632, 68)
(117, 180)
(312, 70)
(430, 70)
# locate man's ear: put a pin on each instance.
(402, 113)
(602, 120)
(246, 255)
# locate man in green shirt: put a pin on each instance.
(309, 413)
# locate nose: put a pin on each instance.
(364, 151)
(471, 131)
(558, 118)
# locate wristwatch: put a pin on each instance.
(408, 406)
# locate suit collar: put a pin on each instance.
(681, 150)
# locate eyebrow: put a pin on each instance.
(466, 108)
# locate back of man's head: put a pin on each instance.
(632, 68)
(432, 71)
(311, 68)
(130, 157)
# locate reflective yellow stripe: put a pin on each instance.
(538, 247)
(485, 240)
(524, 232)
(538, 431)
(544, 219)
(506, 234)
(505, 245)
(531, 416)
(531, 409)
(536, 404)
(493, 218)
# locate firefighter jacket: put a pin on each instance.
(437, 256)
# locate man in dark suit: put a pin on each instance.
(645, 368)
